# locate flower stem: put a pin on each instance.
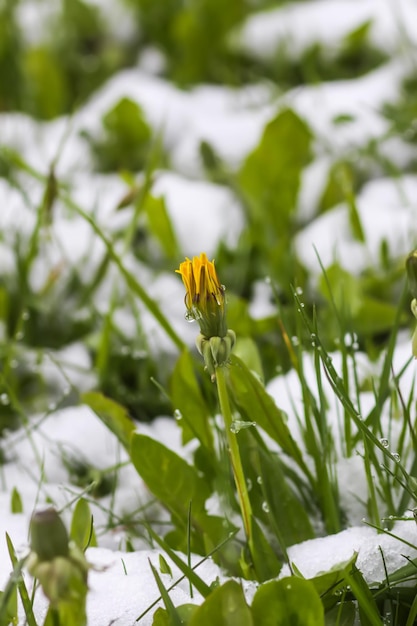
(237, 468)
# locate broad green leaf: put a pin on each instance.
(256, 404)
(270, 176)
(265, 561)
(160, 225)
(45, 83)
(82, 529)
(225, 606)
(289, 517)
(186, 397)
(247, 350)
(112, 414)
(329, 584)
(288, 601)
(171, 479)
(161, 617)
(126, 140)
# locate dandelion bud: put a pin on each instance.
(59, 565)
(49, 537)
(216, 350)
(411, 266)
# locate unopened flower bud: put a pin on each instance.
(58, 564)
(411, 266)
(216, 350)
(49, 537)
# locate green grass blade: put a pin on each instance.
(17, 569)
(130, 279)
(188, 572)
(174, 617)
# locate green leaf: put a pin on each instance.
(8, 615)
(188, 572)
(256, 404)
(288, 601)
(160, 225)
(16, 505)
(164, 566)
(45, 83)
(247, 350)
(368, 315)
(265, 561)
(126, 140)
(112, 414)
(271, 173)
(174, 617)
(82, 529)
(368, 611)
(343, 614)
(329, 584)
(128, 276)
(23, 592)
(186, 397)
(169, 477)
(225, 606)
(289, 517)
(161, 616)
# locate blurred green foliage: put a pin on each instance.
(61, 68)
(126, 139)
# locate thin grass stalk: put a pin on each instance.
(237, 468)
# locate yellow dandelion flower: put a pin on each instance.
(204, 297)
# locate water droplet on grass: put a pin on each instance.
(384, 442)
(396, 457)
(265, 507)
(238, 425)
(259, 480)
(177, 415)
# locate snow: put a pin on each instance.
(318, 556)
(297, 26)
(387, 213)
(203, 215)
